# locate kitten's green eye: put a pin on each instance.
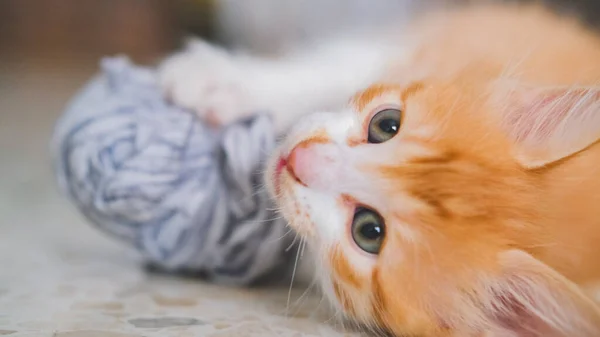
(384, 125)
(368, 230)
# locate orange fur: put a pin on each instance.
(479, 242)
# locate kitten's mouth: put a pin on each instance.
(283, 183)
(279, 168)
(283, 165)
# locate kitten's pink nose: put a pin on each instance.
(313, 164)
(299, 163)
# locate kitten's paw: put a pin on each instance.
(207, 80)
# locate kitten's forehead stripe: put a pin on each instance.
(434, 201)
(440, 164)
(442, 158)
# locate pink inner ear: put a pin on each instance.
(515, 320)
(548, 124)
(530, 299)
(528, 125)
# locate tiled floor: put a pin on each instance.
(60, 277)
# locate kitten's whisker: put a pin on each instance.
(321, 300)
(293, 275)
(333, 316)
(303, 246)
(268, 219)
(292, 244)
(281, 237)
(276, 217)
(340, 317)
(297, 303)
(259, 190)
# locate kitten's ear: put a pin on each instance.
(530, 299)
(549, 123)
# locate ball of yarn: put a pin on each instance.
(188, 197)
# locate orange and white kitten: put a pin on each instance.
(459, 194)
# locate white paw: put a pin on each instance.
(207, 80)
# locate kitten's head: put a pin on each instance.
(420, 201)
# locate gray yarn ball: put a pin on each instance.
(188, 197)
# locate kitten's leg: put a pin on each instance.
(222, 86)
